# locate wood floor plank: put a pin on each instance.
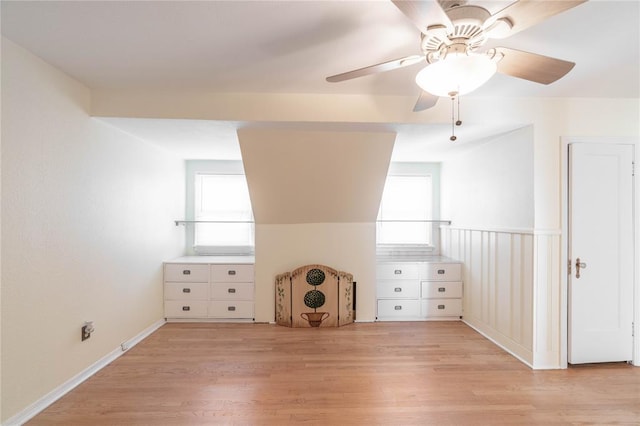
(404, 373)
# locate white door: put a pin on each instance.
(600, 252)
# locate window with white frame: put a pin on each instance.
(223, 214)
(406, 206)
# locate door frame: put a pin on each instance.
(564, 242)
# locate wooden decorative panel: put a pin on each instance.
(314, 296)
(283, 299)
(346, 293)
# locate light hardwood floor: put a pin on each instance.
(401, 373)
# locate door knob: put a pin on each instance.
(578, 266)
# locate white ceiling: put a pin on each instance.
(292, 46)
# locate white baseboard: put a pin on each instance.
(32, 410)
(497, 343)
(213, 320)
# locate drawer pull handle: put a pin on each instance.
(440, 271)
(398, 307)
(441, 289)
(186, 272)
(186, 290)
(231, 272)
(398, 272)
(186, 308)
(398, 289)
(231, 290)
(440, 306)
(231, 308)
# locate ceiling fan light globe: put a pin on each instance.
(459, 74)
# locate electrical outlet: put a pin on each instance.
(86, 330)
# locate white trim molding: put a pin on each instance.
(35, 408)
(512, 288)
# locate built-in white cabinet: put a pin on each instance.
(209, 288)
(416, 291)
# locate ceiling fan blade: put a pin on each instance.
(423, 13)
(527, 13)
(425, 101)
(384, 66)
(531, 66)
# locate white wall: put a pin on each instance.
(315, 176)
(491, 186)
(87, 217)
(348, 247)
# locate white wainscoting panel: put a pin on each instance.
(511, 289)
(548, 296)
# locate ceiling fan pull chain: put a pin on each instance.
(458, 122)
(453, 107)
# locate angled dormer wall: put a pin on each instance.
(315, 197)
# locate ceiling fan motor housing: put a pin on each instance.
(464, 36)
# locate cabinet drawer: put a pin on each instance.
(232, 273)
(443, 272)
(399, 289)
(442, 308)
(185, 308)
(232, 291)
(182, 272)
(398, 308)
(439, 289)
(186, 291)
(231, 309)
(397, 271)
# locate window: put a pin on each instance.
(406, 204)
(223, 199)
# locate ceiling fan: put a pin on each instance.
(453, 33)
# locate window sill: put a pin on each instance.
(224, 250)
(404, 251)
